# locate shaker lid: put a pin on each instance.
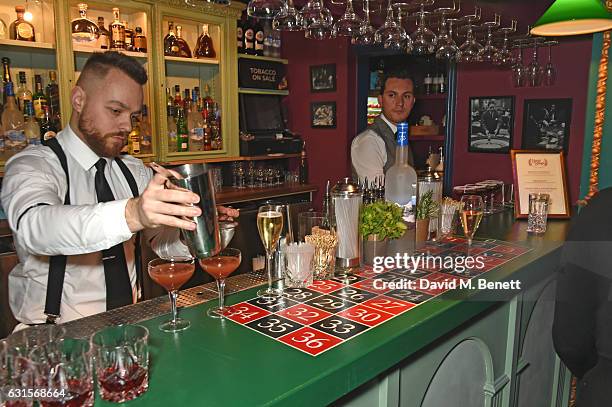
(346, 187)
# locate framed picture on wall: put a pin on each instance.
(491, 124)
(323, 78)
(323, 115)
(546, 124)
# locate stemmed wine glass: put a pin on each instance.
(269, 225)
(504, 56)
(289, 20)
(317, 20)
(349, 24)
(550, 74)
(220, 266)
(447, 48)
(519, 71)
(390, 34)
(423, 39)
(472, 209)
(470, 48)
(534, 69)
(366, 31)
(488, 52)
(266, 9)
(172, 274)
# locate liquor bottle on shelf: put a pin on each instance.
(84, 31)
(129, 37)
(134, 138)
(104, 35)
(170, 46)
(23, 93)
(427, 84)
(441, 83)
(205, 48)
(303, 170)
(183, 48)
(38, 98)
(6, 76)
(197, 127)
(268, 40)
(240, 37)
(140, 41)
(401, 178)
(20, 29)
(48, 128)
(182, 134)
(215, 128)
(12, 122)
(172, 130)
(259, 38)
(276, 44)
(435, 84)
(187, 100)
(31, 129)
(117, 30)
(146, 141)
(249, 38)
(208, 100)
(53, 98)
(3, 30)
(177, 96)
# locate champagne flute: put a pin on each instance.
(221, 266)
(172, 274)
(270, 225)
(472, 210)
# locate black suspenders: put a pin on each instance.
(57, 264)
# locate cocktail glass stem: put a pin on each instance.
(269, 262)
(221, 289)
(173, 297)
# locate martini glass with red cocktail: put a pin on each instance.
(172, 274)
(220, 266)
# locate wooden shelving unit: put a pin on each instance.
(257, 57)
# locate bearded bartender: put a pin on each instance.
(373, 150)
(77, 208)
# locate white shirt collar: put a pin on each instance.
(76, 147)
(391, 125)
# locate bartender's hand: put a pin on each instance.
(226, 213)
(158, 206)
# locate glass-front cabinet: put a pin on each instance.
(190, 105)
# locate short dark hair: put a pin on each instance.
(100, 63)
(395, 73)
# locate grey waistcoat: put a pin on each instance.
(383, 131)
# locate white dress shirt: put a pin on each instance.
(368, 152)
(80, 230)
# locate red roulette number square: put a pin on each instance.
(310, 340)
(325, 286)
(389, 304)
(365, 315)
(304, 314)
(244, 312)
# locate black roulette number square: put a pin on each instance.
(353, 294)
(300, 294)
(413, 296)
(340, 327)
(274, 326)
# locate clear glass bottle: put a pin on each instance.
(48, 129)
(172, 130)
(23, 93)
(146, 140)
(31, 129)
(401, 178)
(140, 41)
(39, 99)
(20, 29)
(205, 48)
(183, 48)
(6, 76)
(84, 31)
(12, 122)
(104, 37)
(117, 30)
(129, 37)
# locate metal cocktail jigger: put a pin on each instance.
(205, 240)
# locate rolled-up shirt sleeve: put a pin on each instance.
(368, 155)
(33, 200)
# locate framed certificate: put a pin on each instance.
(540, 171)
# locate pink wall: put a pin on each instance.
(572, 59)
(327, 149)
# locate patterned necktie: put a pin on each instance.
(118, 287)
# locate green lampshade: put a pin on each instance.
(573, 17)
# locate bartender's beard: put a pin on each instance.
(104, 145)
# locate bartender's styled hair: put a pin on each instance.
(399, 73)
(101, 62)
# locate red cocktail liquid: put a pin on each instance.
(79, 393)
(121, 385)
(220, 266)
(172, 276)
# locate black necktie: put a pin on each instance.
(118, 287)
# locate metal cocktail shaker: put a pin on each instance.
(347, 198)
(205, 240)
